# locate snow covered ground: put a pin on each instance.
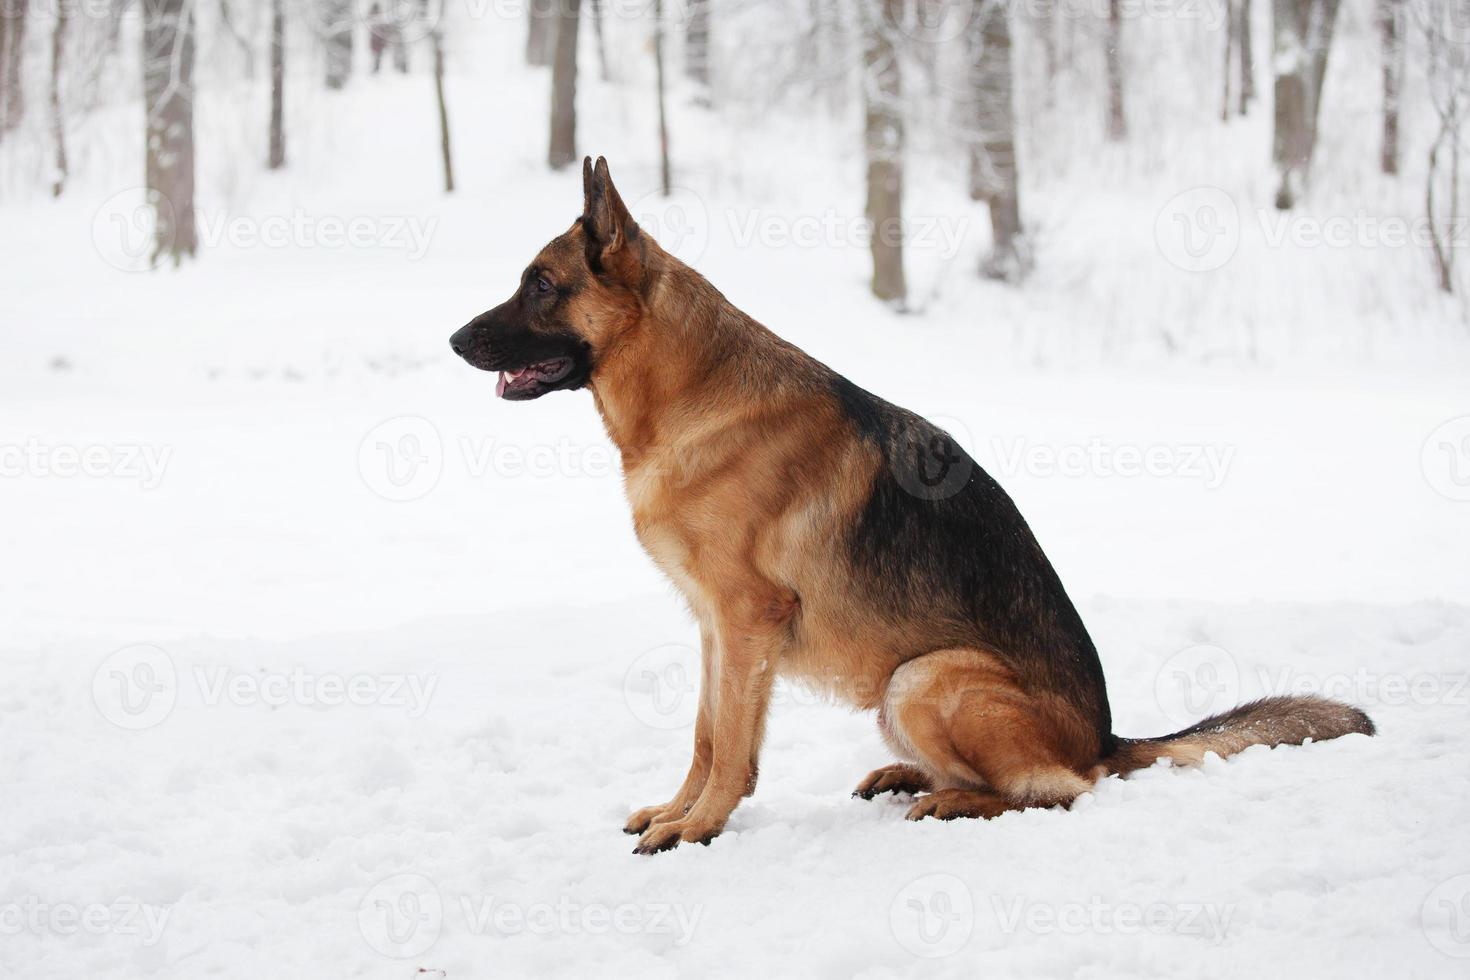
(319, 662)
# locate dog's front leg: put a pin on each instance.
(704, 725)
(749, 644)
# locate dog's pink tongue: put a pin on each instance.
(500, 386)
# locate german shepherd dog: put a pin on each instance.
(822, 534)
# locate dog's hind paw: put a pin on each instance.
(897, 778)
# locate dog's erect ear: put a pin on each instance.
(610, 229)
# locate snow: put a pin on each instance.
(320, 662)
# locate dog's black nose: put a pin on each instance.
(456, 346)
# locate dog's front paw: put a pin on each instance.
(669, 834)
(642, 819)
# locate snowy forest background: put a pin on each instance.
(1209, 178)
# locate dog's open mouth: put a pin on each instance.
(533, 379)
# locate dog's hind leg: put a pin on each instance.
(900, 777)
(988, 746)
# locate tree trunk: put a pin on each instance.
(337, 16)
(1117, 120)
(1391, 26)
(277, 157)
(58, 122)
(663, 116)
(541, 32)
(168, 97)
(1303, 35)
(436, 40)
(696, 46)
(599, 15)
(883, 145)
(1232, 42)
(563, 152)
(1046, 26)
(1247, 59)
(12, 50)
(993, 172)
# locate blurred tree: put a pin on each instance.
(337, 32)
(276, 159)
(1391, 28)
(599, 29)
(12, 51)
(883, 145)
(1117, 119)
(58, 122)
(436, 43)
(168, 100)
(563, 150)
(1247, 58)
(663, 115)
(540, 32)
(696, 47)
(1046, 26)
(1302, 36)
(993, 172)
(1447, 71)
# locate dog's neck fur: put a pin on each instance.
(652, 386)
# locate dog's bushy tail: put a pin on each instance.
(1269, 721)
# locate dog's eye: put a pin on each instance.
(542, 286)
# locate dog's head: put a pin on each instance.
(575, 301)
